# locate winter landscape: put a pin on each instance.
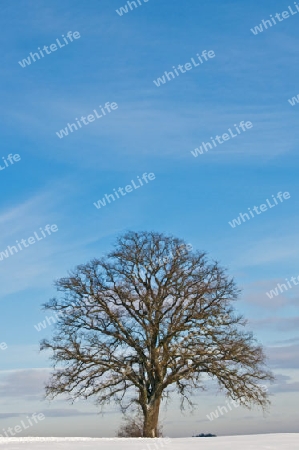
(149, 246)
(260, 442)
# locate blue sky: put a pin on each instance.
(154, 130)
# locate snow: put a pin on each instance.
(253, 442)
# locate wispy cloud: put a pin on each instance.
(284, 357)
(284, 383)
(42, 262)
(27, 385)
(269, 250)
(276, 323)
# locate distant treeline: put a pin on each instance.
(205, 435)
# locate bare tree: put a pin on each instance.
(132, 426)
(141, 323)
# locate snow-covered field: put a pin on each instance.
(252, 442)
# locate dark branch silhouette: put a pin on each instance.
(141, 322)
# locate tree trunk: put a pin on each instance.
(151, 417)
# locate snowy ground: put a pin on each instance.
(252, 442)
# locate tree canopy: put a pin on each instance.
(137, 323)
